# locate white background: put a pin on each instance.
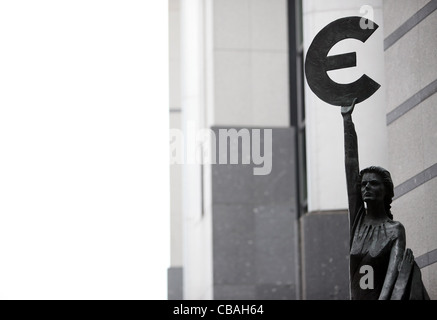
(83, 149)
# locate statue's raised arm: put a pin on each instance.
(351, 163)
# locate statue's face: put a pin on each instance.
(372, 187)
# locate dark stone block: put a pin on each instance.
(275, 220)
(279, 185)
(234, 292)
(276, 244)
(233, 244)
(237, 183)
(326, 254)
(175, 283)
(276, 261)
(276, 292)
(233, 220)
(254, 224)
(232, 184)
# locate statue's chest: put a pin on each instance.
(372, 240)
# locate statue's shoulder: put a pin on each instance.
(397, 227)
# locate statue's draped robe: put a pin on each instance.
(370, 245)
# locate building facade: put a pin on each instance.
(238, 65)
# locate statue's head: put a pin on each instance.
(376, 185)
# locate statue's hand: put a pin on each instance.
(407, 263)
(405, 268)
(348, 109)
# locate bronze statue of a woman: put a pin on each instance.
(376, 240)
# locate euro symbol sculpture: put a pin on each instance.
(318, 63)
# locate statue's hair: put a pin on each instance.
(388, 184)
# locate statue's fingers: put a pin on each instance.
(411, 256)
(408, 256)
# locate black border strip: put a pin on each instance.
(427, 259)
(412, 102)
(415, 181)
(410, 24)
